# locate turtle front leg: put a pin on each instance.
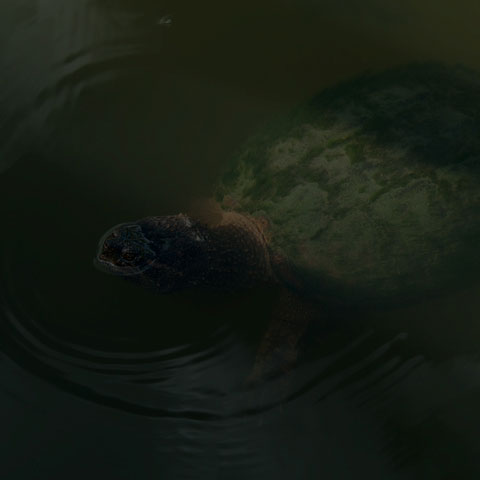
(277, 351)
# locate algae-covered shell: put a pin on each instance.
(372, 188)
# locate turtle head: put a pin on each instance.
(125, 250)
(166, 253)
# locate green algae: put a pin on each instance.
(384, 169)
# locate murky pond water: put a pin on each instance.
(112, 110)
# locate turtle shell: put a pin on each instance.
(372, 188)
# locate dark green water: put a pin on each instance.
(108, 115)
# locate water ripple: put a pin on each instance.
(82, 46)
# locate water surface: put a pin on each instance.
(110, 114)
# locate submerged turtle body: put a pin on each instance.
(370, 192)
(372, 189)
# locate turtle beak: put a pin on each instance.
(103, 262)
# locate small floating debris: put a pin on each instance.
(165, 21)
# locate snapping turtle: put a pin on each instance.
(369, 192)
